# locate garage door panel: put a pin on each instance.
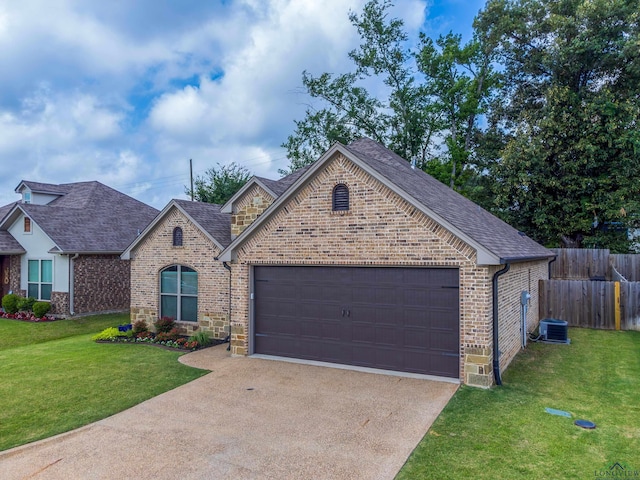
(403, 319)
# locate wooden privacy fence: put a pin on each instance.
(594, 304)
(587, 263)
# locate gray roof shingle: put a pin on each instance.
(91, 218)
(493, 234)
(209, 217)
(9, 245)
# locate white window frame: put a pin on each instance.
(40, 283)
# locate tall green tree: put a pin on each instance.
(568, 117)
(219, 184)
(415, 117)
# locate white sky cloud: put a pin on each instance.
(126, 92)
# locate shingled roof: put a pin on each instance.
(206, 216)
(210, 219)
(495, 241)
(272, 187)
(88, 217)
(483, 227)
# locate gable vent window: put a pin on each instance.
(340, 198)
(27, 225)
(177, 237)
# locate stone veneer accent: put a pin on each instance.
(14, 272)
(59, 303)
(157, 252)
(380, 228)
(101, 284)
(248, 208)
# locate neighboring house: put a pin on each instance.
(357, 259)
(175, 271)
(62, 244)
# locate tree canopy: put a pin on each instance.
(536, 118)
(219, 184)
(429, 111)
(568, 114)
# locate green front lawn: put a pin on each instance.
(506, 433)
(54, 378)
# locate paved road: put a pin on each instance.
(249, 418)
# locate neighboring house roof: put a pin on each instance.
(48, 188)
(206, 216)
(89, 218)
(495, 241)
(9, 245)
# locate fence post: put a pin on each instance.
(616, 305)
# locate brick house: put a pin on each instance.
(175, 270)
(362, 260)
(357, 259)
(62, 244)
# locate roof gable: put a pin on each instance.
(495, 241)
(207, 217)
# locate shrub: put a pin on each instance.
(107, 334)
(10, 303)
(202, 337)
(40, 309)
(143, 335)
(140, 326)
(164, 324)
(173, 335)
(26, 304)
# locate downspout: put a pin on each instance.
(72, 283)
(496, 350)
(550, 262)
(225, 265)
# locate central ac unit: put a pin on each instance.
(554, 330)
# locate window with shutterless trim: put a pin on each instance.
(179, 293)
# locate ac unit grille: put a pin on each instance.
(553, 330)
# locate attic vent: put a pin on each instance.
(340, 198)
(177, 237)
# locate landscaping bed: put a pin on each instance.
(166, 335)
(26, 309)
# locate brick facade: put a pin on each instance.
(198, 252)
(380, 228)
(101, 284)
(248, 208)
(520, 277)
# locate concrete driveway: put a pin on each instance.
(249, 419)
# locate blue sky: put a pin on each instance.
(127, 92)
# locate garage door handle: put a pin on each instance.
(343, 312)
(348, 313)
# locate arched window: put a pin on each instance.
(340, 198)
(179, 293)
(177, 237)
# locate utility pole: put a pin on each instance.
(191, 176)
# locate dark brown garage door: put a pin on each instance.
(403, 319)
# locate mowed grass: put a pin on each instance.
(14, 333)
(506, 433)
(62, 380)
